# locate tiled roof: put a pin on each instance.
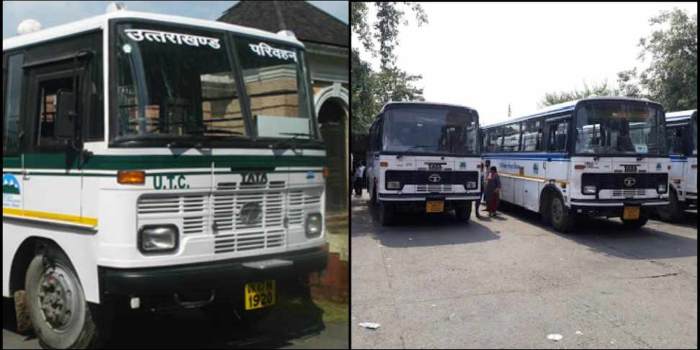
(308, 23)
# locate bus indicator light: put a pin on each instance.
(131, 177)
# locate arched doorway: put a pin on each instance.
(333, 118)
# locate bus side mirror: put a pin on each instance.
(66, 116)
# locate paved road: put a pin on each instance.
(432, 282)
(301, 328)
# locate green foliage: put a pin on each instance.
(587, 91)
(672, 77)
(370, 89)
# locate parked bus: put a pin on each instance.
(155, 161)
(424, 156)
(597, 156)
(682, 136)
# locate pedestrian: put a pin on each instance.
(359, 178)
(482, 178)
(492, 193)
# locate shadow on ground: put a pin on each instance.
(417, 229)
(608, 236)
(296, 319)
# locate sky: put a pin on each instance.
(52, 13)
(489, 55)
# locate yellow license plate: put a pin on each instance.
(259, 294)
(630, 213)
(434, 206)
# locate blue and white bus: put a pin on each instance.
(682, 136)
(603, 156)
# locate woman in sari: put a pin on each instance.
(492, 192)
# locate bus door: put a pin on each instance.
(554, 164)
(51, 161)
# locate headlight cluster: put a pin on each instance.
(663, 188)
(314, 225)
(158, 239)
(589, 189)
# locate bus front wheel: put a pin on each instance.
(559, 215)
(673, 211)
(56, 303)
(463, 210)
(386, 213)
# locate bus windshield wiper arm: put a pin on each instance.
(290, 142)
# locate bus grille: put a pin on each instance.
(434, 188)
(628, 193)
(219, 213)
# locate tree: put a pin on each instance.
(587, 91)
(370, 89)
(672, 76)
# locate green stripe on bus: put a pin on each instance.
(147, 162)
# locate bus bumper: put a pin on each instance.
(614, 207)
(221, 276)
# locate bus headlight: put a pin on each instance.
(589, 189)
(314, 225)
(471, 184)
(393, 185)
(158, 238)
(662, 188)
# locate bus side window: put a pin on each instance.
(675, 140)
(47, 108)
(13, 96)
(532, 136)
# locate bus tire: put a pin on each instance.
(373, 196)
(386, 213)
(463, 211)
(635, 224)
(673, 211)
(545, 204)
(562, 219)
(56, 302)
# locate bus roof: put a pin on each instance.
(564, 107)
(680, 115)
(391, 104)
(100, 21)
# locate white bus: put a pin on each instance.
(153, 161)
(682, 137)
(424, 156)
(596, 156)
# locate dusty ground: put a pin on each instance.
(432, 282)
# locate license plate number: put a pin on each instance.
(434, 206)
(630, 213)
(259, 294)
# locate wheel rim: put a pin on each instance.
(557, 211)
(59, 298)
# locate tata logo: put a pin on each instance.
(435, 166)
(251, 213)
(254, 178)
(434, 178)
(630, 181)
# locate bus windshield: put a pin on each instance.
(619, 128)
(440, 130)
(177, 82)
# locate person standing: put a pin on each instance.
(484, 174)
(359, 178)
(493, 191)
